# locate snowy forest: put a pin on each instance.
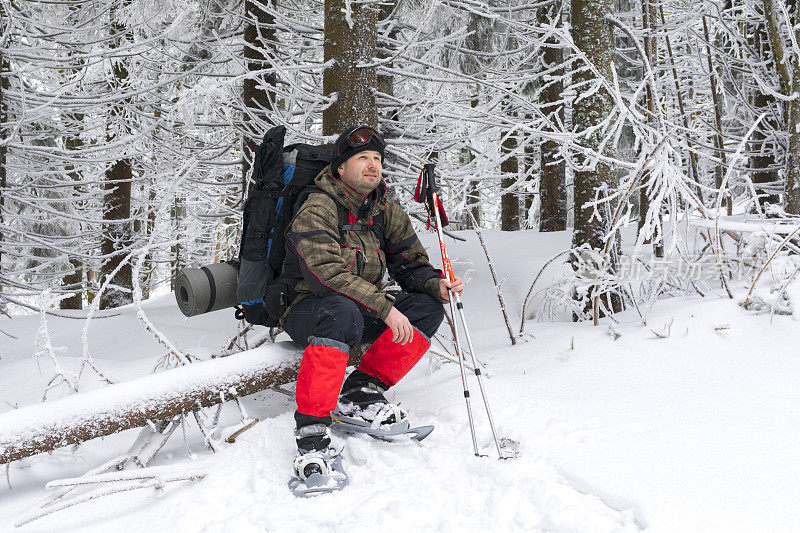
(622, 182)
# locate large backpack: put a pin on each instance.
(283, 177)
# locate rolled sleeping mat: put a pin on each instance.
(205, 289)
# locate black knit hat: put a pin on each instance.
(353, 141)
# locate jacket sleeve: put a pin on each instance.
(406, 258)
(314, 237)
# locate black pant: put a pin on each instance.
(338, 317)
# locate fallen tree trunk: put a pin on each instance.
(73, 419)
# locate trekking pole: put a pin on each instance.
(432, 189)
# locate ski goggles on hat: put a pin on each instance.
(363, 135)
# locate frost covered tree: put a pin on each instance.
(593, 178)
(350, 40)
(552, 183)
(119, 173)
(5, 72)
(258, 96)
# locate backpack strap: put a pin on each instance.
(346, 220)
(347, 223)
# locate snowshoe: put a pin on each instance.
(389, 432)
(317, 472)
(364, 409)
(317, 466)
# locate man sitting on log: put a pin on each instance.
(339, 245)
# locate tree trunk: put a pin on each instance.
(791, 201)
(553, 180)
(719, 169)
(117, 235)
(474, 185)
(792, 196)
(144, 228)
(73, 280)
(651, 54)
(644, 200)
(679, 96)
(531, 168)
(258, 89)
(594, 37)
(346, 45)
(390, 112)
(509, 202)
(473, 191)
(177, 260)
(788, 75)
(763, 165)
(118, 177)
(5, 69)
(80, 417)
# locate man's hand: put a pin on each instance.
(457, 287)
(402, 331)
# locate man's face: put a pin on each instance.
(362, 171)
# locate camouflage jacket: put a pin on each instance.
(353, 262)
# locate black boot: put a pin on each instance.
(363, 397)
(313, 451)
(312, 431)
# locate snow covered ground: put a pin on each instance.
(628, 431)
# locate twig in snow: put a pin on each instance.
(147, 444)
(453, 359)
(769, 260)
(207, 435)
(494, 276)
(636, 304)
(782, 290)
(48, 312)
(273, 334)
(174, 351)
(663, 334)
(232, 438)
(441, 343)
(115, 488)
(451, 323)
(44, 347)
(185, 438)
(613, 332)
(117, 477)
(234, 340)
(277, 388)
(527, 296)
(738, 153)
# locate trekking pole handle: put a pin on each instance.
(433, 190)
(430, 177)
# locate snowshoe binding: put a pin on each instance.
(364, 409)
(316, 471)
(363, 397)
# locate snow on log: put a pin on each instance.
(43, 427)
(778, 227)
